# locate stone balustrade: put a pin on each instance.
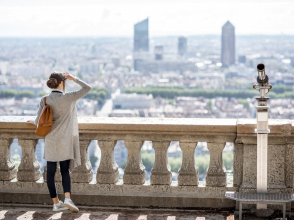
(28, 185)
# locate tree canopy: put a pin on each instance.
(171, 92)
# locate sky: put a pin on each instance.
(74, 18)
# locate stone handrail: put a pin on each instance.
(160, 191)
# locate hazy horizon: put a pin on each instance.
(152, 36)
(113, 18)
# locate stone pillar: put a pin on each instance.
(57, 178)
(216, 172)
(188, 173)
(7, 166)
(280, 165)
(29, 168)
(83, 173)
(160, 173)
(276, 175)
(238, 165)
(289, 168)
(108, 170)
(135, 170)
(249, 166)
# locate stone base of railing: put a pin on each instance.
(216, 179)
(8, 175)
(119, 194)
(122, 201)
(188, 179)
(161, 179)
(106, 178)
(28, 175)
(135, 179)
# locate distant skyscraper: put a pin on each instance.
(228, 45)
(141, 42)
(116, 61)
(242, 59)
(158, 50)
(141, 36)
(292, 60)
(182, 46)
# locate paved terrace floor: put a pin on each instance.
(42, 212)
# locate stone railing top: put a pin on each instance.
(133, 124)
(276, 126)
(282, 127)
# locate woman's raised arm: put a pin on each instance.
(75, 95)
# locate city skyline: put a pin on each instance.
(114, 18)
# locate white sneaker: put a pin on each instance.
(60, 207)
(69, 204)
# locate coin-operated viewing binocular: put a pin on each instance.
(262, 84)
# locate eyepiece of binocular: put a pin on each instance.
(261, 72)
(260, 66)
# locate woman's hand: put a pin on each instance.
(30, 122)
(68, 76)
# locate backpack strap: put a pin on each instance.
(45, 100)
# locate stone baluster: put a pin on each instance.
(216, 173)
(188, 173)
(108, 169)
(134, 172)
(83, 173)
(161, 172)
(29, 168)
(7, 166)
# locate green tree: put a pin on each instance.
(97, 94)
(202, 162)
(228, 157)
(123, 164)
(281, 89)
(7, 93)
(147, 159)
(24, 93)
(16, 159)
(175, 163)
(209, 104)
(42, 93)
(244, 102)
(171, 92)
(93, 160)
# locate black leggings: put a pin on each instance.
(51, 169)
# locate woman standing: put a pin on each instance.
(62, 147)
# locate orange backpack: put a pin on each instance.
(45, 121)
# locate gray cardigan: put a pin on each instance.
(62, 141)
